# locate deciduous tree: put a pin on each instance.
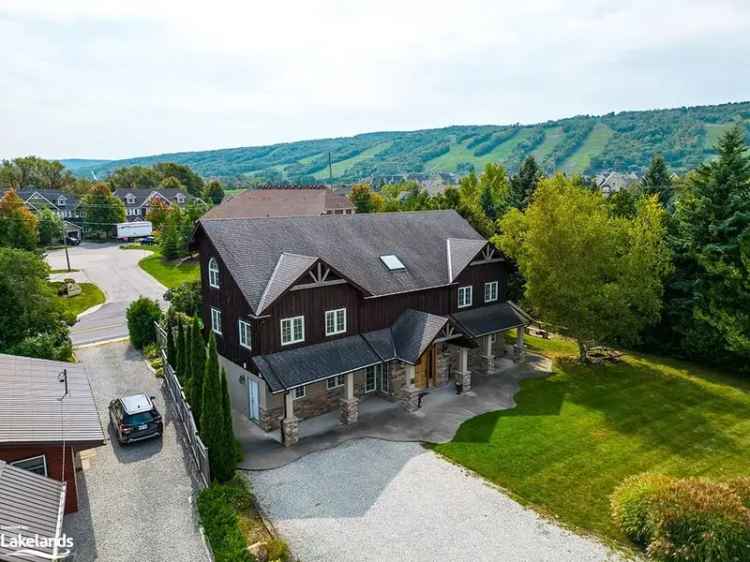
(18, 225)
(102, 210)
(596, 276)
(214, 192)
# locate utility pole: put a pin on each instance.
(330, 167)
(63, 377)
(67, 259)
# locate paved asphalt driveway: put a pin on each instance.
(135, 501)
(116, 272)
(373, 500)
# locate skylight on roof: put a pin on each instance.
(392, 262)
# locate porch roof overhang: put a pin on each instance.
(491, 319)
(286, 370)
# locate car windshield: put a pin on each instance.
(139, 419)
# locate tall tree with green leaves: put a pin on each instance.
(524, 183)
(50, 227)
(212, 418)
(170, 237)
(19, 227)
(596, 276)
(198, 368)
(171, 346)
(658, 181)
(179, 367)
(102, 210)
(494, 191)
(361, 198)
(214, 192)
(712, 285)
(229, 446)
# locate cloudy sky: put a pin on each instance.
(105, 79)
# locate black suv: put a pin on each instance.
(135, 418)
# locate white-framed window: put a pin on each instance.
(245, 335)
(493, 338)
(298, 392)
(490, 291)
(180, 198)
(130, 199)
(292, 330)
(37, 465)
(335, 382)
(335, 321)
(213, 273)
(61, 201)
(464, 296)
(216, 320)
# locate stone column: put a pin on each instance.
(519, 349)
(463, 377)
(409, 394)
(290, 424)
(488, 355)
(349, 404)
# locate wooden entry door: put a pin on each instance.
(424, 370)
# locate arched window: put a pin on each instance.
(213, 273)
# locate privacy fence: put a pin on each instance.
(184, 412)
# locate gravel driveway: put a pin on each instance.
(379, 500)
(116, 272)
(135, 501)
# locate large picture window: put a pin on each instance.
(335, 321)
(292, 330)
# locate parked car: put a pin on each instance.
(72, 239)
(135, 418)
(148, 240)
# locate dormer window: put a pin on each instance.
(392, 262)
(180, 198)
(213, 273)
(61, 201)
(130, 199)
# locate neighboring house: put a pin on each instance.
(283, 202)
(313, 314)
(42, 429)
(612, 182)
(30, 505)
(138, 201)
(66, 205)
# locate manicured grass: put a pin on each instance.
(169, 273)
(592, 146)
(63, 270)
(576, 435)
(552, 137)
(91, 295)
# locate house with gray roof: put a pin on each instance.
(313, 314)
(138, 201)
(47, 417)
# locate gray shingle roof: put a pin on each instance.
(382, 342)
(351, 244)
(413, 332)
(141, 195)
(30, 408)
(288, 269)
(303, 365)
(460, 253)
(30, 505)
(490, 319)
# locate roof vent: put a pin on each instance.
(392, 262)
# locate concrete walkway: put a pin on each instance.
(441, 414)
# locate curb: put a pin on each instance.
(103, 342)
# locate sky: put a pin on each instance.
(106, 79)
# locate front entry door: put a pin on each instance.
(253, 399)
(424, 370)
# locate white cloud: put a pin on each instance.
(116, 79)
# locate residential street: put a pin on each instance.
(135, 500)
(117, 274)
(373, 500)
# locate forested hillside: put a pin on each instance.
(622, 141)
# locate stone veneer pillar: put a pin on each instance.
(290, 424)
(519, 349)
(488, 355)
(463, 376)
(349, 404)
(409, 394)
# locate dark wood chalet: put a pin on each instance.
(312, 314)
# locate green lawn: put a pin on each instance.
(91, 295)
(576, 435)
(168, 273)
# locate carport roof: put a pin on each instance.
(491, 319)
(31, 409)
(30, 505)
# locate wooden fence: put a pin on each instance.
(184, 412)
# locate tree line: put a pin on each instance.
(663, 266)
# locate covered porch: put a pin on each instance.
(441, 413)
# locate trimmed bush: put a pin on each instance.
(632, 503)
(688, 520)
(700, 521)
(141, 314)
